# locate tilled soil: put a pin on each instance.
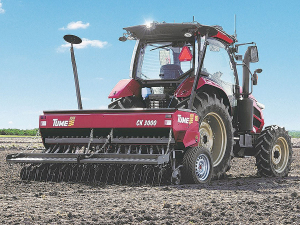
(240, 198)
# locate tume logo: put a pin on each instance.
(182, 119)
(64, 123)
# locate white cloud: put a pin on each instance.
(76, 25)
(1, 9)
(10, 122)
(103, 107)
(93, 43)
(85, 43)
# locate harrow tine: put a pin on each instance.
(92, 174)
(95, 174)
(98, 174)
(110, 175)
(90, 170)
(137, 174)
(48, 174)
(79, 173)
(43, 171)
(74, 172)
(54, 174)
(23, 173)
(67, 174)
(37, 174)
(61, 172)
(149, 175)
(31, 172)
(83, 172)
(123, 170)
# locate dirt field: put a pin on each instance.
(241, 198)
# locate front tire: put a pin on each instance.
(197, 166)
(274, 152)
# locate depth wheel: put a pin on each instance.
(274, 152)
(197, 165)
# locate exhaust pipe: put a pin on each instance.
(245, 105)
(246, 73)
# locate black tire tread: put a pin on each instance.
(202, 104)
(263, 147)
(189, 158)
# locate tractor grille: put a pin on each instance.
(256, 122)
(256, 112)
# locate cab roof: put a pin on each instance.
(166, 31)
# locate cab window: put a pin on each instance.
(217, 65)
(164, 60)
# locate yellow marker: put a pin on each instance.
(191, 118)
(71, 121)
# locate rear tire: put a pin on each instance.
(197, 166)
(274, 152)
(216, 131)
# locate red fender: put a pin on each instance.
(192, 135)
(185, 89)
(124, 88)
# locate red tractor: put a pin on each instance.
(182, 116)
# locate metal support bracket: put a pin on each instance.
(91, 139)
(198, 74)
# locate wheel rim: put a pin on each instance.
(202, 167)
(280, 155)
(213, 136)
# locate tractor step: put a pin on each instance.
(98, 158)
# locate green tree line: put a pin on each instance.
(294, 134)
(18, 132)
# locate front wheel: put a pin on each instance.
(274, 152)
(197, 165)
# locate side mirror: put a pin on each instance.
(255, 77)
(123, 38)
(253, 54)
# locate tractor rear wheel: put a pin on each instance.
(274, 152)
(197, 165)
(216, 131)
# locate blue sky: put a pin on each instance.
(35, 65)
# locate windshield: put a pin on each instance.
(164, 60)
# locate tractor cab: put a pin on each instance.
(168, 56)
